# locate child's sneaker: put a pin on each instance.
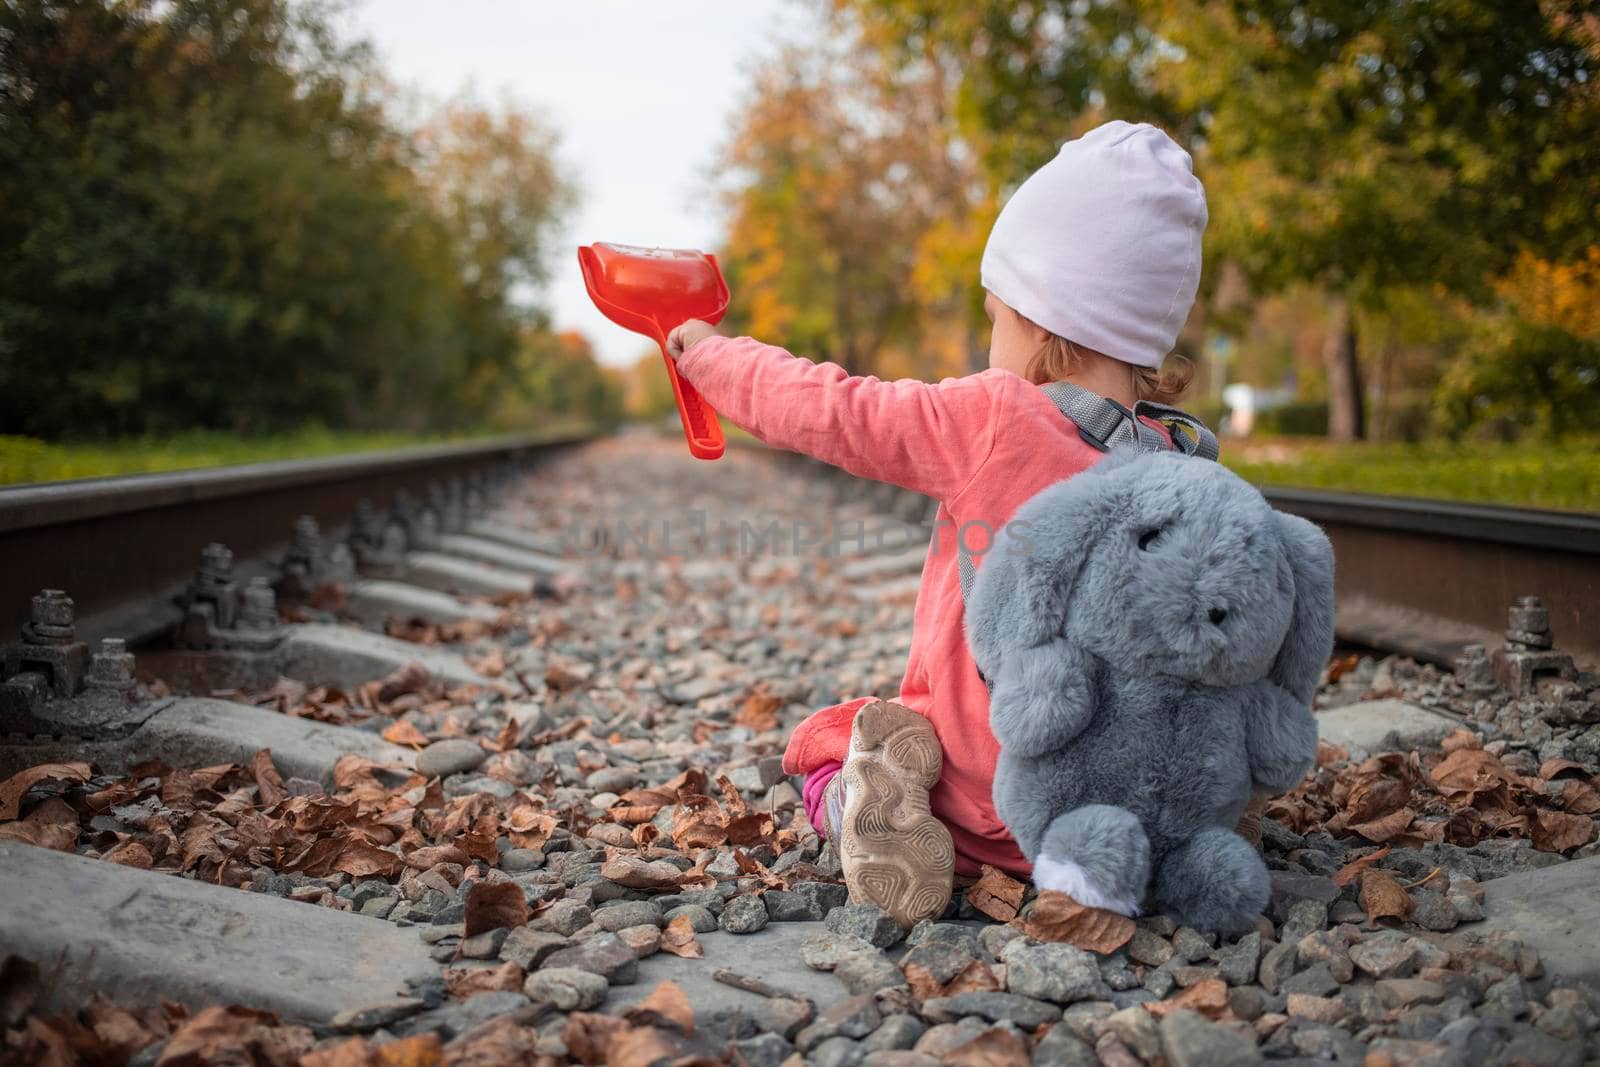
(895, 854)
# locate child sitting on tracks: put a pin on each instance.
(1090, 272)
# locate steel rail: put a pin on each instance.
(111, 542)
(1427, 577)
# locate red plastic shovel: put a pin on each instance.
(652, 291)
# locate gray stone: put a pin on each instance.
(1555, 912)
(1059, 973)
(565, 917)
(1509, 996)
(347, 657)
(567, 988)
(896, 1032)
(867, 973)
(943, 960)
(994, 937)
(603, 954)
(763, 1050)
(700, 918)
(1315, 981)
(484, 946)
(744, 915)
(1136, 1028)
(1191, 945)
(1382, 726)
(825, 951)
(1303, 917)
(1384, 957)
(529, 948)
(1238, 962)
(1276, 965)
(868, 922)
(303, 962)
(1062, 1048)
(1288, 887)
(837, 1052)
(625, 913)
(1432, 910)
(929, 931)
(365, 1020)
(453, 755)
(1149, 948)
(855, 1017)
(1025, 1012)
(457, 1018)
(789, 907)
(1191, 1040)
(521, 859)
(612, 780)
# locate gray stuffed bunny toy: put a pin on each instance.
(1153, 632)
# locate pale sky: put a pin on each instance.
(640, 92)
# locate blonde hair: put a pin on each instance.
(1059, 357)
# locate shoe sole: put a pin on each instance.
(895, 853)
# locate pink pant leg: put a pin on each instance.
(811, 794)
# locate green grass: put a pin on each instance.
(24, 459)
(1530, 474)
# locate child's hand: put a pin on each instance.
(687, 335)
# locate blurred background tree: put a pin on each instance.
(211, 222)
(1373, 168)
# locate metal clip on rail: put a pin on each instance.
(652, 291)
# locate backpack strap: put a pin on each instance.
(1106, 424)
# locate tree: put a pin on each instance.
(1355, 146)
(838, 178)
(212, 222)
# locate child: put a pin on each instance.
(1090, 272)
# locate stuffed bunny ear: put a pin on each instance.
(1309, 642)
(1025, 581)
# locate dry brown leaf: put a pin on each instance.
(1387, 827)
(13, 789)
(638, 873)
(1371, 798)
(411, 678)
(759, 712)
(996, 894)
(1329, 753)
(351, 1052)
(234, 1034)
(1559, 831)
(1470, 770)
(666, 1005)
(1580, 797)
(1342, 666)
(678, 939)
(269, 783)
(463, 982)
(1554, 767)
(1382, 896)
(1352, 870)
(1057, 917)
(992, 1048)
(648, 1046)
(1460, 738)
(491, 665)
(978, 977)
(404, 732)
(1208, 997)
(360, 859)
(587, 1036)
(422, 1050)
(130, 853)
(492, 905)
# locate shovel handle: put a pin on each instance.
(701, 429)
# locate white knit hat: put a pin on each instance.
(1102, 244)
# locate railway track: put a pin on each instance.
(570, 669)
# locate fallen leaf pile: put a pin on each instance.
(1460, 795)
(659, 1029)
(219, 823)
(1054, 916)
(408, 689)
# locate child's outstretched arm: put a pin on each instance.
(928, 438)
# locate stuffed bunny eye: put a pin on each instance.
(1147, 537)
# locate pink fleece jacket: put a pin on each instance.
(980, 445)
